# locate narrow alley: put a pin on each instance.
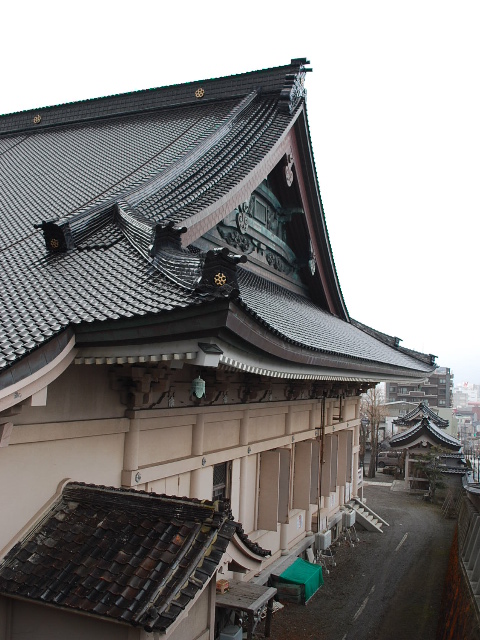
(388, 585)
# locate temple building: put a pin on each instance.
(180, 378)
(425, 440)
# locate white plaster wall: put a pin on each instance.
(201, 483)
(349, 410)
(80, 393)
(265, 427)
(268, 539)
(296, 525)
(197, 619)
(33, 621)
(160, 445)
(220, 435)
(30, 474)
(178, 485)
(300, 421)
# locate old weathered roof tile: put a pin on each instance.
(115, 570)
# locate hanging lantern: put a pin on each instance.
(198, 388)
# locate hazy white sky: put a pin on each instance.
(394, 111)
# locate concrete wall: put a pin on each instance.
(460, 614)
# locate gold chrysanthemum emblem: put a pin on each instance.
(220, 279)
(54, 243)
(37, 119)
(199, 93)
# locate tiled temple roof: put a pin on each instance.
(114, 180)
(300, 321)
(419, 412)
(124, 555)
(426, 428)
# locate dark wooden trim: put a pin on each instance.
(306, 173)
(180, 324)
(226, 320)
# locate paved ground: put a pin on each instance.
(388, 585)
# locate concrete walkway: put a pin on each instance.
(388, 585)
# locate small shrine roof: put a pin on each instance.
(426, 429)
(417, 413)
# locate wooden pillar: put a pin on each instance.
(197, 435)
(197, 450)
(131, 446)
(289, 421)
(308, 521)
(284, 539)
(357, 409)
(244, 438)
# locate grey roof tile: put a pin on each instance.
(120, 166)
(300, 321)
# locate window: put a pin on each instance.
(221, 481)
(441, 403)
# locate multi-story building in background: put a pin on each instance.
(436, 391)
(465, 394)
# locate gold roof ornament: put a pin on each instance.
(37, 119)
(220, 279)
(199, 93)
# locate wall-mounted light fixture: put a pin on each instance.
(204, 462)
(198, 388)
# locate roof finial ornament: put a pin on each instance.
(57, 235)
(294, 91)
(219, 276)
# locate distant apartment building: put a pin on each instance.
(465, 394)
(436, 391)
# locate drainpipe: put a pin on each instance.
(197, 450)
(244, 438)
(320, 466)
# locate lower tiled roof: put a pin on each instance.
(302, 322)
(129, 556)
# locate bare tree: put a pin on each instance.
(430, 466)
(373, 408)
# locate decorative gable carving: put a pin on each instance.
(257, 227)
